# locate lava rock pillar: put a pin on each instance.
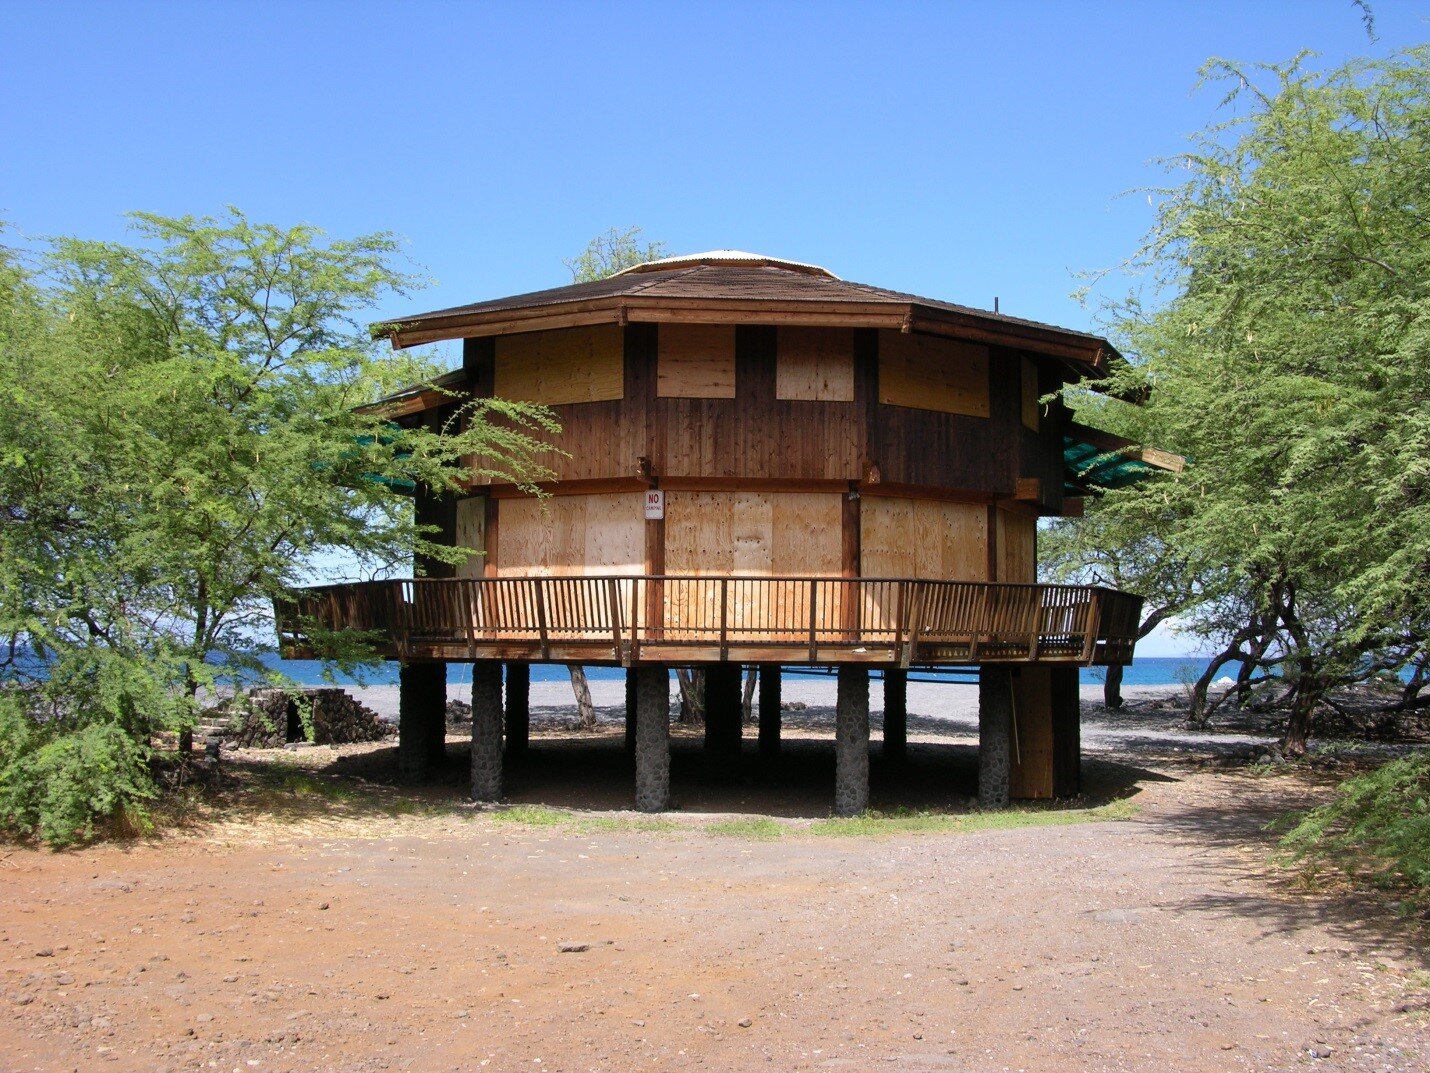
(851, 742)
(421, 720)
(995, 735)
(652, 738)
(486, 730)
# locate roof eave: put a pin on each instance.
(1091, 354)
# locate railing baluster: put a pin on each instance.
(539, 586)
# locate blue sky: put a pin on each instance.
(957, 150)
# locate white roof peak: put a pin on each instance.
(727, 258)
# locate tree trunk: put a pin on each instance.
(692, 696)
(582, 689)
(1112, 687)
(747, 702)
(1298, 724)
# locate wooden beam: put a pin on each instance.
(1028, 489)
(1108, 442)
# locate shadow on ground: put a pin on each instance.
(591, 770)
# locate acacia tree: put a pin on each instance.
(180, 443)
(1291, 364)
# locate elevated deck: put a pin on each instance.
(643, 619)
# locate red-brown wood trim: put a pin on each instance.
(583, 487)
(753, 484)
(1029, 490)
(925, 491)
(849, 533)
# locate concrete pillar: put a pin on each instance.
(851, 742)
(518, 708)
(723, 713)
(421, 719)
(896, 714)
(770, 709)
(652, 738)
(995, 723)
(486, 730)
(630, 709)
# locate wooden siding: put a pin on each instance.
(1031, 394)
(569, 365)
(758, 436)
(572, 535)
(696, 361)
(815, 364)
(1017, 538)
(928, 373)
(755, 434)
(923, 539)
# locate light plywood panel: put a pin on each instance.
(568, 365)
(1017, 547)
(571, 535)
(923, 539)
(471, 533)
(696, 361)
(749, 534)
(928, 373)
(815, 364)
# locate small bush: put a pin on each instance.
(1377, 829)
(57, 781)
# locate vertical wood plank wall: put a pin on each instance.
(831, 426)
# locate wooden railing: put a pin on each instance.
(627, 619)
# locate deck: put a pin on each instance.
(631, 619)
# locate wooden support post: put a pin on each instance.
(995, 737)
(422, 719)
(518, 708)
(770, 709)
(896, 714)
(486, 730)
(630, 709)
(1046, 712)
(652, 738)
(723, 730)
(851, 742)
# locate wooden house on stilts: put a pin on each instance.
(764, 465)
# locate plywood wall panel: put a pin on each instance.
(696, 361)
(932, 373)
(568, 365)
(923, 539)
(815, 364)
(569, 535)
(471, 533)
(1017, 547)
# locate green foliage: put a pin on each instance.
(58, 776)
(1287, 349)
(183, 440)
(612, 252)
(1376, 829)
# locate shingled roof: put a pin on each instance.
(731, 287)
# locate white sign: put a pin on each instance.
(654, 505)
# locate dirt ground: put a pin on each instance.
(326, 921)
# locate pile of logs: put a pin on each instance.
(271, 718)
